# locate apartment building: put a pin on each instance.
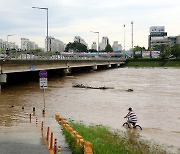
(158, 36)
(26, 44)
(10, 45)
(116, 46)
(104, 43)
(94, 46)
(54, 44)
(80, 40)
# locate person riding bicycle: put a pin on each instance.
(132, 118)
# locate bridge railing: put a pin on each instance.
(26, 56)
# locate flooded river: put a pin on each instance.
(155, 99)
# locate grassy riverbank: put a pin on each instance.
(152, 63)
(109, 142)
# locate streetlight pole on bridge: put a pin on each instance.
(44, 8)
(98, 39)
(7, 38)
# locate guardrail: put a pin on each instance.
(47, 56)
(87, 146)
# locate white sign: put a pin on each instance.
(43, 83)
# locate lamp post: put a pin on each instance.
(7, 38)
(43, 8)
(132, 33)
(124, 38)
(98, 39)
(132, 37)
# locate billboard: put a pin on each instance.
(157, 29)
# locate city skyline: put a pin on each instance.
(77, 18)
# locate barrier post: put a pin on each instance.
(55, 146)
(47, 136)
(36, 120)
(51, 141)
(30, 117)
(42, 126)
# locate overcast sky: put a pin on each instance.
(69, 18)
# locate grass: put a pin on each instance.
(152, 63)
(106, 141)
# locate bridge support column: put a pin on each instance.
(118, 65)
(67, 70)
(3, 79)
(94, 67)
(109, 65)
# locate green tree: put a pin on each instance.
(108, 48)
(76, 46)
(92, 50)
(137, 49)
(165, 51)
(176, 50)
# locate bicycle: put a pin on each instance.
(129, 125)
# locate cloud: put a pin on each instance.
(68, 18)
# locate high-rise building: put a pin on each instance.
(104, 43)
(116, 46)
(10, 45)
(80, 40)
(26, 44)
(157, 36)
(94, 46)
(54, 44)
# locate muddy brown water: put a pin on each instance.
(155, 99)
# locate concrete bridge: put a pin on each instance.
(16, 66)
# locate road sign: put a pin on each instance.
(43, 73)
(32, 68)
(43, 83)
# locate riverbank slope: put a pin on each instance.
(153, 63)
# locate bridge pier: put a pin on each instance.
(3, 79)
(94, 67)
(109, 65)
(67, 70)
(118, 65)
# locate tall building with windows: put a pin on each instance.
(94, 46)
(54, 44)
(80, 40)
(157, 36)
(116, 46)
(26, 44)
(10, 45)
(173, 40)
(104, 43)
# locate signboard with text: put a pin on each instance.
(43, 83)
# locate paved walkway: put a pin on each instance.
(22, 148)
(24, 136)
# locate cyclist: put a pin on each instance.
(132, 118)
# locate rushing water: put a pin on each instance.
(155, 99)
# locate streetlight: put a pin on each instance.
(44, 8)
(98, 39)
(7, 38)
(124, 37)
(132, 37)
(132, 33)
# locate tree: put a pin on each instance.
(176, 50)
(92, 50)
(137, 49)
(108, 48)
(165, 51)
(76, 46)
